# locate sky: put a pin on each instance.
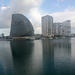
(60, 10)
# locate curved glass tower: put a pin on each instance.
(20, 26)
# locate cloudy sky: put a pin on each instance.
(61, 10)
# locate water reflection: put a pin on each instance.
(57, 57)
(27, 57)
(48, 57)
(22, 53)
(6, 61)
(62, 56)
(38, 57)
(73, 55)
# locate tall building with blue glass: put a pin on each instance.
(21, 26)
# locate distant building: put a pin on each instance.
(66, 28)
(20, 26)
(2, 35)
(47, 25)
(62, 29)
(57, 28)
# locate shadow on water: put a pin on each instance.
(57, 57)
(22, 53)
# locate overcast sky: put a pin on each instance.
(61, 10)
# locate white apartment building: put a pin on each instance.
(57, 28)
(47, 25)
(66, 28)
(62, 29)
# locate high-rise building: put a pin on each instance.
(47, 25)
(20, 26)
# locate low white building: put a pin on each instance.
(66, 28)
(57, 28)
(62, 29)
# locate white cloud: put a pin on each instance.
(35, 18)
(35, 14)
(3, 8)
(23, 6)
(68, 14)
(65, 15)
(5, 15)
(18, 6)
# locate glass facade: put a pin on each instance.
(20, 26)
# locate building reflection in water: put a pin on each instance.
(48, 57)
(38, 57)
(22, 53)
(6, 61)
(62, 56)
(27, 57)
(57, 57)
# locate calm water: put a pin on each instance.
(38, 57)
